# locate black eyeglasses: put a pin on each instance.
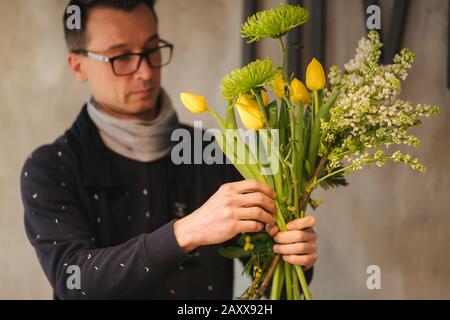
(129, 63)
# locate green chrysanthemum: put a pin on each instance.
(254, 75)
(274, 23)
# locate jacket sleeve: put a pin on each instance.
(58, 227)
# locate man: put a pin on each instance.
(106, 209)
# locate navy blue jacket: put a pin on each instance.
(91, 210)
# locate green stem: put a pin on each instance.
(278, 175)
(232, 139)
(300, 143)
(230, 119)
(276, 284)
(248, 171)
(277, 258)
(314, 140)
(281, 223)
(316, 102)
(295, 288)
(331, 174)
(262, 108)
(288, 275)
(282, 280)
(294, 166)
(303, 283)
(284, 57)
(218, 118)
(348, 167)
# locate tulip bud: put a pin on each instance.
(315, 76)
(278, 85)
(194, 103)
(249, 112)
(299, 93)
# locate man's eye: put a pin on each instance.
(125, 58)
(152, 48)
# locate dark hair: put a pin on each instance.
(76, 38)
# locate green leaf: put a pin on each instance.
(244, 170)
(231, 117)
(243, 149)
(262, 248)
(274, 151)
(296, 45)
(248, 268)
(314, 144)
(336, 180)
(261, 237)
(266, 162)
(233, 252)
(320, 95)
(322, 149)
(324, 112)
(308, 168)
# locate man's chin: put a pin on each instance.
(142, 107)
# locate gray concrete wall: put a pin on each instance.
(391, 217)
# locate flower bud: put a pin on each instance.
(299, 93)
(249, 112)
(315, 76)
(194, 103)
(278, 85)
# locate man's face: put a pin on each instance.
(112, 32)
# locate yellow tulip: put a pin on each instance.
(249, 112)
(315, 76)
(278, 85)
(299, 93)
(194, 103)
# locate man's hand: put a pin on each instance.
(298, 245)
(238, 207)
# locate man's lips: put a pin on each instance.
(142, 92)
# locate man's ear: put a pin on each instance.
(75, 62)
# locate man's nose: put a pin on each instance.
(145, 70)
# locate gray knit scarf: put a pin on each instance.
(139, 140)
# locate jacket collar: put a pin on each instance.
(97, 166)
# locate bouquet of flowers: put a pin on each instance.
(307, 136)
